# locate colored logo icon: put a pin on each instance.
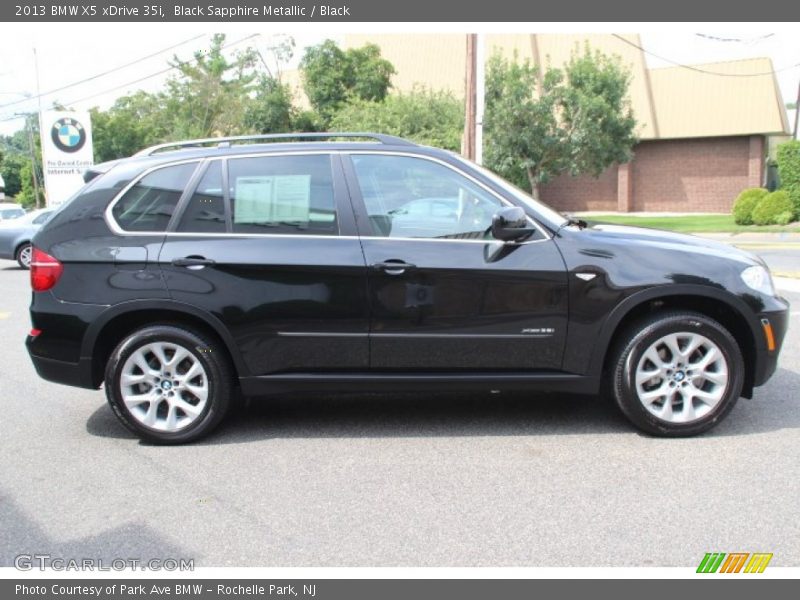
(68, 135)
(734, 562)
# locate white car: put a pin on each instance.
(10, 210)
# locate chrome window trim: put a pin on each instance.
(115, 228)
(108, 213)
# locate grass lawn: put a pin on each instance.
(692, 223)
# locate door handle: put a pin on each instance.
(192, 262)
(393, 267)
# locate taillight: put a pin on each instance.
(45, 270)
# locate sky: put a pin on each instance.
(105, 51)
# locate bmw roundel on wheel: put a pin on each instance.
(195, 271)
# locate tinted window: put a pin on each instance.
(283, 194)
(205, 212)
(149, 204)
(42, 218)
(413, 197)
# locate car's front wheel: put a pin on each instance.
(677, 374)
(24, 255)
(168, 384)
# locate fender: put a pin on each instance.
(93, 331)
(637, 299)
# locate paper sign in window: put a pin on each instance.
(272, 199)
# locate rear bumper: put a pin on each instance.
(766, 359)
(77, 374)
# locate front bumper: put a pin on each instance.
(766, 359)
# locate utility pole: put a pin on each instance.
(480, 94)
(468, 142)
(796, 111)
(39, 100)
(34, 169)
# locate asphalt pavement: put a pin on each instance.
(393, 480)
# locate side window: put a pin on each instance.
(413, 197)
(283, 194)
(149, 204)
(205, 212)
(42, 218)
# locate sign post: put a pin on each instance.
(66, 153)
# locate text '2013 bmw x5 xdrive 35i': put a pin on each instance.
(327, 262)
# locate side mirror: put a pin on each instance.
(510, 224)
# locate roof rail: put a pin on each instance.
(225, 142)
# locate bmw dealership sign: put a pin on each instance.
(66, 153)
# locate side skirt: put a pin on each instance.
(395, 382)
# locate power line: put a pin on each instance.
(701, 70)
(146, 77)
(730, 39)
(103, 74)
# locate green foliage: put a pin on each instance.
(132, 123)
(574, 120)
(27, 196)
(11, 171)
(775, 208)
(208, 96)
(745, 203)
(332, 76)
(271, 110)
(431, 118)
(789, 172)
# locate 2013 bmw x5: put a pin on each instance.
(346, 262)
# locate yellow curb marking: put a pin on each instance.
(4, 315)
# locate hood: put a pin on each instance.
(668, 240)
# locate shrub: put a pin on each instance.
(789, 172)
(745, 203)
(774, 209)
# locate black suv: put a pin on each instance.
(343, 262)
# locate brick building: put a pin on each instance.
(703, 137)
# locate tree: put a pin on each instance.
(11, 171)
(133, 122)
(574, 120)
(271, 110)
(209, 96)
(431, 118)
(332, 76)
(789, 171)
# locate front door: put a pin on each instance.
(444, 295)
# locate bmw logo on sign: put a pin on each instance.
(68, 135)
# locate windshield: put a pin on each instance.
(553, 218)
(11, 213)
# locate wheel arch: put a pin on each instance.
(18, 244)
(105, 333)
(723, 307)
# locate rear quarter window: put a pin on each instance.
(150, 203)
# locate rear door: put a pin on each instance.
(444, 295)
(267, 244)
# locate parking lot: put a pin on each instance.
(412, 480)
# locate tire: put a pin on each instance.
(23, 255)
(677, 374)
(164, 400)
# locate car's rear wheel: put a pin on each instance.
(677, 374)
(168, 384)
(24, 255)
